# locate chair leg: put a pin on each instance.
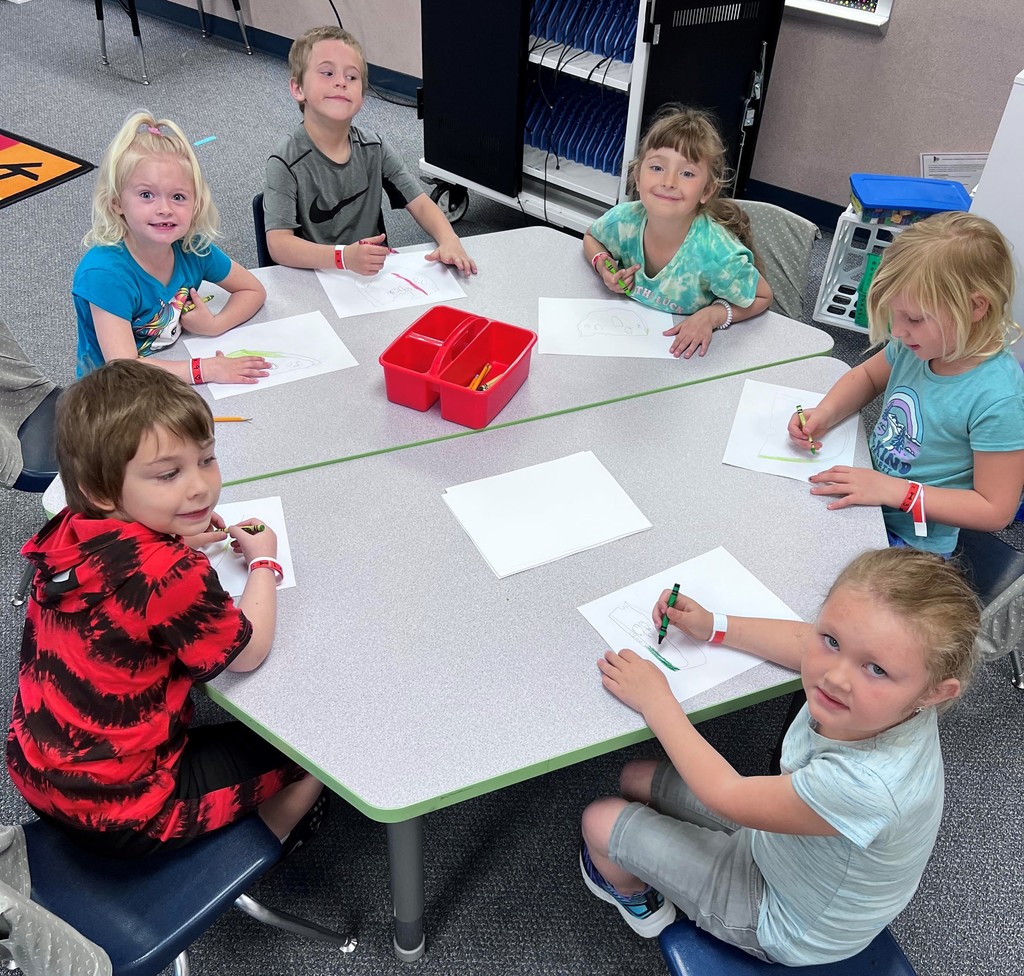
(181, 966)
(133, 13)
(241, 25)
(293, 924)
(103, 33)
(202, 18)
(18, 600)
(1018, 671)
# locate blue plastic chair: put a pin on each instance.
(146, 913)
(690, 951)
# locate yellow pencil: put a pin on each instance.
(230, 420)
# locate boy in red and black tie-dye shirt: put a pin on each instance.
(125, 616)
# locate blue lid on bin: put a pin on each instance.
(876, 191)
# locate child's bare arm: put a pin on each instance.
(449, 248)
(780, 641)
(761, 802)
(259, 598)
(247, 298)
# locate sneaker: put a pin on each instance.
(309, 826)
(646, 912)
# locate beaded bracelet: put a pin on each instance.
(728, 315)
(339, 256)
(600, 254)
(196, 366)
(265, 562)
(718, 628)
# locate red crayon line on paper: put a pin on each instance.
(408, 282)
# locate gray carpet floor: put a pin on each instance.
(502, 889)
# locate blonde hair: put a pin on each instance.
(101, 420)
(932, 597)
(302, 48)
(939, 264)
(144, 137)
(694, 134)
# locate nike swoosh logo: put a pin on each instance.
(319, 216)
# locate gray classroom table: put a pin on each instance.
(408, 678)
(347, 414)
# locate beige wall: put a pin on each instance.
(389, 30)
(842, 101)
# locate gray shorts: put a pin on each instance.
(697, 860)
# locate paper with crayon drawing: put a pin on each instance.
(718, 582)
(603, 327)
(759, 440)
(296, 348)
(406, 280)
(230, 566)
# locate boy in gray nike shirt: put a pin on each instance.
(323, 184)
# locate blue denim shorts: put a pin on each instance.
(697, 860)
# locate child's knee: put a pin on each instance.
(637, 778)
(599, 819)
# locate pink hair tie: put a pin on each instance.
(154, 130)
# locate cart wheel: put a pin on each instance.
(453, 200)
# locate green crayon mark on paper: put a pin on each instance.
(668, 664)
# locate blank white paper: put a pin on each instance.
(535, 515)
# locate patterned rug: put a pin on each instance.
(27, 167)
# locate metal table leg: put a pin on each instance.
(405, 856)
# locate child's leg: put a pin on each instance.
(285, 809)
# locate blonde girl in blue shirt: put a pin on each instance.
(680, 248)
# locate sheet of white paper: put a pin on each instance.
(717, 581)
(298, 347)
(758, 440)
(603, 327)
(405, 280)
(230, 566)
(535, 515)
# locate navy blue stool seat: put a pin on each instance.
(38, 447)
(146, 913)
(690, 951)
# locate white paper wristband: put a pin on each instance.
(718, 628)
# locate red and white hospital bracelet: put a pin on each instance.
(339, 256)
(718, 628)
(265, 562)
(914, 503)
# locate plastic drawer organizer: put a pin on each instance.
(440, 355)
(847, 259)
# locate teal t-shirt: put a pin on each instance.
(931, 426)
(711, 262)
(826, 898)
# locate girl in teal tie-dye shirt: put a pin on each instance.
(680, 248)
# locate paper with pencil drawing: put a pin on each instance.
(759, 441)
(406, 280)
(230, 566)
(535, 515)
(717, 581)
(603, 327)
(296, 348)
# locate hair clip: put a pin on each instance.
(151, 129)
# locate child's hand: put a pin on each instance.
(367, 256)
(687, 614)
(454, 254)
(199, 319)
(252, 539)
(234, 369)
(620, 280)
(693, 334)
(858, 486)
(215, 533)
(806, 437)
(635, 681)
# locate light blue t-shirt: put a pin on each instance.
(711, 262)
(111, 279)
(826, 898)
(931, 426)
